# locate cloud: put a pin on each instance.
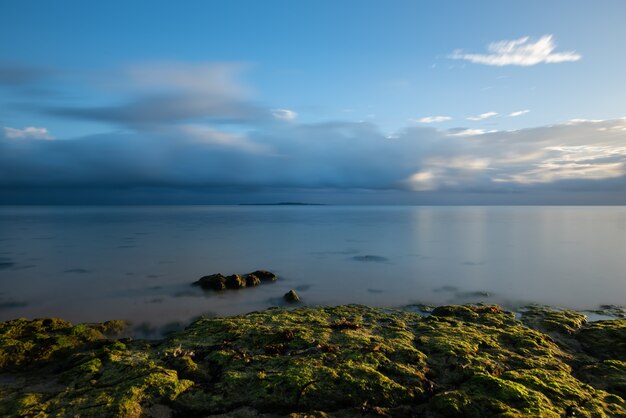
(166, 93)
(577, 121)
(434, 119)
(469, 132)
(483, 116)
(518, 113)
(340, 156)
(12, 75)
(207, 135)
(284, 114)
(29, 132)
(522, 52)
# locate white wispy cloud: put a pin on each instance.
(483, 116)
(432, 119)
(284, 114)
(518, 113)
(577, 121)
(470, 132)
(520, 51)
(29, 132)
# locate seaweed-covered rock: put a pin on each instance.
(604, 339)
(609, 375)
(328, 361)
(212, 281)
(25, 343)
(291, 296)
(548, 319)
(235, 281)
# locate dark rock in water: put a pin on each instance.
(611, 310)
(10, 303)
(213, 281)
(235, 281)
(446, 289)
(291, 296)
(252, 280)
(264, 275)
(370, 258)
(476, 294)
(6, 264)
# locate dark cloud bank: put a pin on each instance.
(337, 162)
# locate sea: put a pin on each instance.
(95, 263)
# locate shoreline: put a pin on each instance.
(351, 360)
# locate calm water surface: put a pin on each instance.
(137, 263)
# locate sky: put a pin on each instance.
(341, 102)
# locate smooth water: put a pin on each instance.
(137, 263)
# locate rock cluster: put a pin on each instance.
(220, 282)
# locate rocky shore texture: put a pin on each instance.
(460, 361)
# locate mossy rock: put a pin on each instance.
(552, 320)
(604, 339)
(465, 361)
(291, 296)
(235, 281)
(25, 343)
(264, 275)
(252, 280)
(609, 375)
(211, 282)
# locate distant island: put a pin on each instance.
(283, 204)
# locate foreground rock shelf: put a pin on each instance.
(461, 361)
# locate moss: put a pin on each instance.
(462, 361)
(604, 339)
(553, 320)
(26, 343)
(609, 375)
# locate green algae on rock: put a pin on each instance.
(462, 361)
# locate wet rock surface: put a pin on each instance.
(461, 361)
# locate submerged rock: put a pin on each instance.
(370, 258)
(344, 361)
(291, 296)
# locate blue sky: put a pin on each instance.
(248, 75)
